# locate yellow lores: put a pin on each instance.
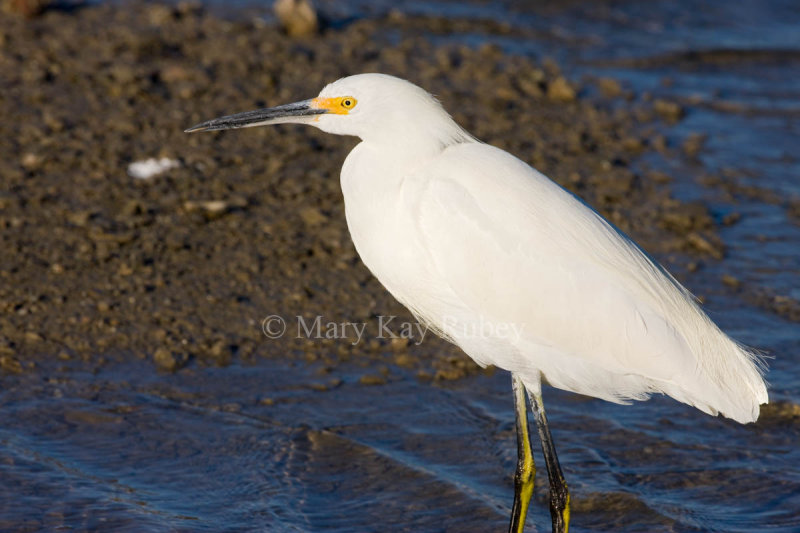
(340, 105)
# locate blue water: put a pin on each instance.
(129, 450)
(255, 448)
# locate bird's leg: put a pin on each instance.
(526, 470)
(559, 494)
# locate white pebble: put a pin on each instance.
(148, 168)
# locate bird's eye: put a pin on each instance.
(348, 102)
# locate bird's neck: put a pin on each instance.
(412, 144)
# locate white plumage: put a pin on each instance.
(515, 270)
(466, 234)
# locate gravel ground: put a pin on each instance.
(183, 267)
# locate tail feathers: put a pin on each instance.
(735, 389)
(742, 385)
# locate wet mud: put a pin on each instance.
(184, 266)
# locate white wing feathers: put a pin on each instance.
(582, 304)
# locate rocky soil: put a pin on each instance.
(183, 267)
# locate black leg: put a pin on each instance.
(559, 494)
(526, 470)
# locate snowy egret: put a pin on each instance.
(515, 270)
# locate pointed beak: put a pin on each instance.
(298, 112)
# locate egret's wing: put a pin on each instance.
(516, 249)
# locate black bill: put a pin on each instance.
(260, 117)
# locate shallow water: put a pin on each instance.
(256, 448)
(242, 448)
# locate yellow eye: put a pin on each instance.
(348, 102)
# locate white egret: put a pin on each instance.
(515, 270)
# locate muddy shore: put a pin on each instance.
(183, 267)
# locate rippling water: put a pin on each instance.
(255, 448)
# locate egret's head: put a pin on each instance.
(374, 107)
